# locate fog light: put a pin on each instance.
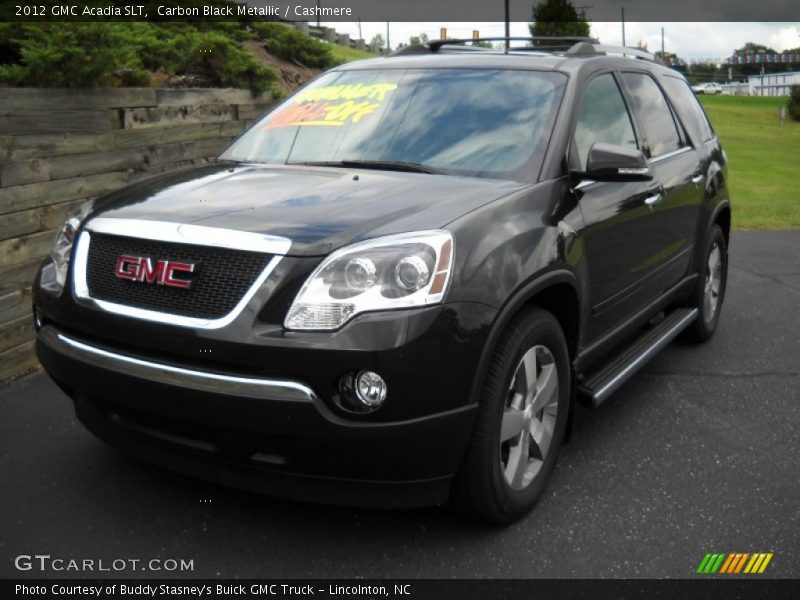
(370, 388)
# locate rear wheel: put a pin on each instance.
(521, 421)
(710, 290)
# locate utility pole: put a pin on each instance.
(387, 38)
(508, 21)
(360, 36)
(662, 43)
(622, 10)
(508, 26)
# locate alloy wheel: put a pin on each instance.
(713, 284)
(529, 417)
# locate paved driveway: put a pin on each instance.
(698, 453)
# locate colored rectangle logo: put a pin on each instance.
(734, 563)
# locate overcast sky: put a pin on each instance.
(688, 40)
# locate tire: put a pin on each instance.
(488, 486)
(709, 293)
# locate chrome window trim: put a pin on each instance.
(206, 381)
(670, 154)
(179, 233)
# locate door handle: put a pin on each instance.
(651, 201)
(698, 178)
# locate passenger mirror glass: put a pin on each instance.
(609, 162)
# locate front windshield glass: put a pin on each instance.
(474, 122)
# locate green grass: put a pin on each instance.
(343, 54)
(764, 160)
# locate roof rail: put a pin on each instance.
(424, 49)
(435, 45)
(624, 50)
(574, 46)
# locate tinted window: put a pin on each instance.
(602, 117)
(689, 109)
(478, 122)
(654, 113)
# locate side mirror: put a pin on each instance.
(609, 162)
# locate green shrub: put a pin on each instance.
(221, 62)
(794, 102)
(289, 43)
(129, 54)
(10, 36)
(75, 55)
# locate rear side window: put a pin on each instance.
(689, 109)
(602, 117)
(654, 114)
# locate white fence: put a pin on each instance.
(773, 84)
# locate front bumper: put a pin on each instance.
(274, 435)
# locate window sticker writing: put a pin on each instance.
(333, 105)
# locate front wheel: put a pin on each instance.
(522, 418)
(710, 290)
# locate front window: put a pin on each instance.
(603, 117)
(473, 122)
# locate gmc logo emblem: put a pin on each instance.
(139, 268)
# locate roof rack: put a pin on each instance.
(584, 48)
(566, 45)
(436, 45)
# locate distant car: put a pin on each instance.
(707, 88)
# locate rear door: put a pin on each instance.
(621, 233)
(677, 167)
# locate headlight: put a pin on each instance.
(65, 238)
(396, 271)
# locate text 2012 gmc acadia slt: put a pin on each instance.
(392, 288)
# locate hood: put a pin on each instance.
(319, 209)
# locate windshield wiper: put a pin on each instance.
(385, 165)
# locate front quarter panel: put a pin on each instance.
(503, 246)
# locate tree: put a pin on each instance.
(377, 41)
(752, 49)
(557, 18)
(794, 102)
(699, 72)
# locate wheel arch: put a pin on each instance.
(722, 217)
(556, 292)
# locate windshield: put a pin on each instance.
(474, 122)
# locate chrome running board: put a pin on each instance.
(600, 384)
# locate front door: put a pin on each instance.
(621, 235)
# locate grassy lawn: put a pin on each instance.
(764, 167)
(343, 54)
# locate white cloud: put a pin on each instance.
(787, 37)
(689, 40)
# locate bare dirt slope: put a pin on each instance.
(290, 75)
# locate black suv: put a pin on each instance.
(391, 289)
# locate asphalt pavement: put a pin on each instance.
(698, 453)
